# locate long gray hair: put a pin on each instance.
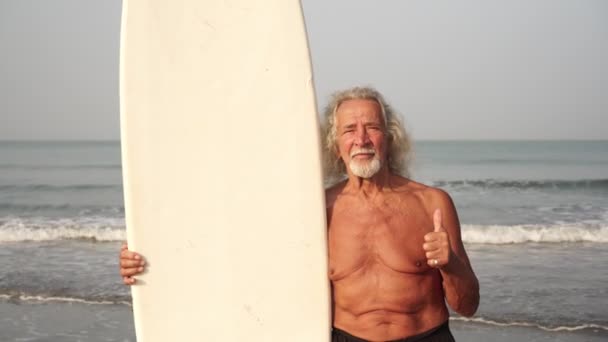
(398, 141)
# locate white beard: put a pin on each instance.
(365, 169)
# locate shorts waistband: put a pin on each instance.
(441, 329)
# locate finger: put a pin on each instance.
(437, 220)
(130, 271)
(127, 254)
(128, 280)
(430, 237)
(434, 262)
(432, 255)
(126, 263)
(431, 246)
(124, 246)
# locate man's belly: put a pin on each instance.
(378, 303)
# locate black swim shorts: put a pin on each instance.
(439, 334)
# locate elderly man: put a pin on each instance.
(395, 252)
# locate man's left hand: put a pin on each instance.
(437, 244)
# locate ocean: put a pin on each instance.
(534, 218)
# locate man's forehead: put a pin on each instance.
(351, 111)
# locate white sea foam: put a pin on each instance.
(523, 184)
(530, 324)
(93, 229)
(44, 299)
(113, 229)
(496, 234)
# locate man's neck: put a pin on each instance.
(369, 186)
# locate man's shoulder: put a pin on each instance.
(430, 195)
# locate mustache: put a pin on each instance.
(362, 151)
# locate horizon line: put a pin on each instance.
(420, 140)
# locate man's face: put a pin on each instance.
(361, 139)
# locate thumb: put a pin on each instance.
(437, 220)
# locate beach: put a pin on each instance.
(534, 219)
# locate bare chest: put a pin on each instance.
(386, 235)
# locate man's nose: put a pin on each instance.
(361, 137)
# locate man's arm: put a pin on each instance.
(444, 245)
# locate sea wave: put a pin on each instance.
(50, 187)
(555, 328)
(87, 229)
(18, 297)
(498, 235)
(60, 167)
(548, 184)
(21, 297)
(34, 207)
(81, 209)
(533, 161)
(102, 229)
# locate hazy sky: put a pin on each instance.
(467, 69)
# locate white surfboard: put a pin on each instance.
(222, 176)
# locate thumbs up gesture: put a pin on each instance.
(437, 244)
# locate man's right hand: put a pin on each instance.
(131, 264)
